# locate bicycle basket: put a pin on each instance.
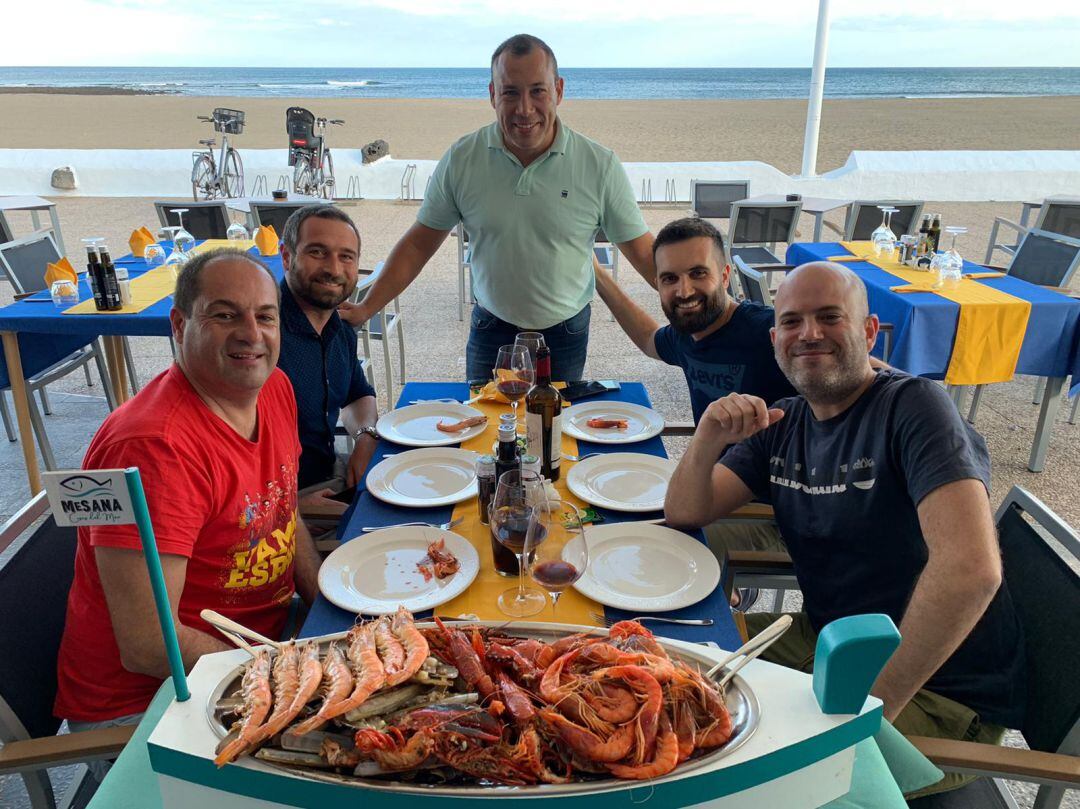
(300, 125)
(231, 122)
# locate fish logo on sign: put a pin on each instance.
(565, 193)
(94, 497)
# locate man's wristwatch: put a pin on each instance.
(367, 429)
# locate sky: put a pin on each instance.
(583, 33)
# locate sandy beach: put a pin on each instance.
(666, 131)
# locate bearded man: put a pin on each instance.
(320, 250)
(880, 490)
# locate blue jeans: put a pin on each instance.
(568, 341)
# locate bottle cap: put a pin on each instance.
(507, 432)
(485, 463)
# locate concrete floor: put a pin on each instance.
(435, 342)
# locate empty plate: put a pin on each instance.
(421, 478)
(414, 425)
(623, 481)
(378, 571)
(641, 422)
(646, 568)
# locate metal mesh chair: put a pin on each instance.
(203, 220)
(35, 582)
(1060, 216)
(756, 229)
(863, 218)
(713, 200)
(23, 261)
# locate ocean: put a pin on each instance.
(591, 83)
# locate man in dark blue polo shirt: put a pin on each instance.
(320, 250)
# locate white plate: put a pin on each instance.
(422, 478)
(375, 573)
(646, 568)
(414, 425)
(623, 481)
(642, 423)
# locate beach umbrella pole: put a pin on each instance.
(817, 90)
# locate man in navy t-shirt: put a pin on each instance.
(722, 345)
(881, 492)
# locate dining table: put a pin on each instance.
(926, 323)
(885, 766)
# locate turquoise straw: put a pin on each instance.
(157, 581)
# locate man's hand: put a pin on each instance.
(359, 460)
(323, 497)
(353, 313)
(735, 418)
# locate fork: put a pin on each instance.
(683, 621)
(570, 457)
(446, 526)
(435, 401)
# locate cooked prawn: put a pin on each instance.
(255, 688)
(337, 684)
(607, 424)
(458, 426)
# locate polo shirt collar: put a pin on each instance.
(493, 139)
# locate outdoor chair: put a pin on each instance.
(863, 218)
(607, 256)
(757, 228)
(1045, 589)
(712, 200)
(6, 233)
(1045, 259)
(275, 214)
(34, 585)
(203, 220)
(1060, 216)
(23, 262)
(464, 267)
(381, 327)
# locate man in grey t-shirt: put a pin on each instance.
(880, 491)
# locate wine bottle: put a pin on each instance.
(113, 299)
(94, 276)
(923, 246)
(935, 233)
(543, 418)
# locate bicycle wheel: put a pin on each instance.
(326, 187)
(303, 176)
(232, 174)
(202, 177)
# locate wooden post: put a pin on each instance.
(22, 408)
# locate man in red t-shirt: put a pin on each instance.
(215, 439)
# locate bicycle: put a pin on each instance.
(223, 177)
(313, 174)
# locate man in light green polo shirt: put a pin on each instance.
(532, 194)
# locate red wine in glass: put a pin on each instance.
(555, 576)
(513, 389)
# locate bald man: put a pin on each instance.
(881, 493)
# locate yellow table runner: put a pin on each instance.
(989, 331)
(480, 598)
(152, 286)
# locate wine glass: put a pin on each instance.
(154, 255)
(514, 374)
(555, 547)
(518, 492)
(237, 233)
(182, 240)
(883, 239)
(950, 266)
(532, 340)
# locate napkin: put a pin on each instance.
(984, 275)
(845, 258)
(912, 288)
(61, 270)
(138, 241)
(266, 239)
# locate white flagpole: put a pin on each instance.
(817, 89)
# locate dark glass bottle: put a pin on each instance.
(543, 418)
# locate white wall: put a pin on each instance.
(944, 176)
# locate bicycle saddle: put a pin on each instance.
(208, 142)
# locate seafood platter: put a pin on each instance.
(445, 712)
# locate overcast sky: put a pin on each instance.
(584, 33)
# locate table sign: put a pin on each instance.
(81, 497)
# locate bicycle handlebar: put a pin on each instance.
(205, 118)
(337, 121)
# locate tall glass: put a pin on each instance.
(532, 340)
(182, 240)
(883, 239)
(514, 374)
(555, 547)
(516, 495)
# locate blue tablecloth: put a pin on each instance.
(925, 323)
(325, 618)
(46, 335)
